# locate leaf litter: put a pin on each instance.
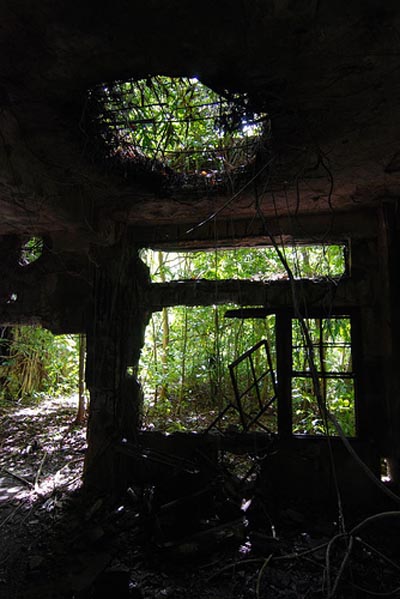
(56, 545)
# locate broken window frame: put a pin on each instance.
(248, 420)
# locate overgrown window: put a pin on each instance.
(184, 366)
(305, 261)
(322, 365)
(189, 353)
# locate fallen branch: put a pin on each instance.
(18, 477)
(379, 516)
(296, 555)
(11, 516)
(331, 590)
(332, 593)
(75, 461)
(67, 483)
(260, 575)
(234, 564)
(262, 560)
(39, 472)
(392, 593)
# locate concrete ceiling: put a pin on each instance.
(328, 73)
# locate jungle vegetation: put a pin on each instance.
(184, 366)
(34, 363)
(189, 128)
(185, 361)
(178, 123)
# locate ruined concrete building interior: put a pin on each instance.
(309, 92)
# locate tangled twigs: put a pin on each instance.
(383, 557)
(39, 472)
(339, 553)
(379, 516)
(350, 537)
(11, 515)
(332, 591)
(392, 593)
(260, 575)
(233, 565)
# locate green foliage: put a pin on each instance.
(31, 250)
(38, 364)
(202, 344)
(179, 122)
(195, 378)
(331, 356)
(263, 263)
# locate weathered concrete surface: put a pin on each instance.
(328, 74)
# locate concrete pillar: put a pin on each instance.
(115, 336)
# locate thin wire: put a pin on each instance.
(310, 351)
(232, 199)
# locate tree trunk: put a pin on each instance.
(165, 335)
(164, 353)
(183, 363)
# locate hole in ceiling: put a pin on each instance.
(178, 126)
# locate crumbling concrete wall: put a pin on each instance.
(115, 335)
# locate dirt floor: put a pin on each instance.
(55, 545)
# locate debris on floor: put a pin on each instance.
(191, 524)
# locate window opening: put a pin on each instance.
(195, 386)
(257, 264)
(332, 355)
(31, 250)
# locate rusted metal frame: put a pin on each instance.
(361, 416)
(247, 353)
(220, 416)
(327, 344)
(256, 380)
(283, 326)
(239, 396)
(323, 375)
(238, 406)
(255, 419)
(271, 368)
